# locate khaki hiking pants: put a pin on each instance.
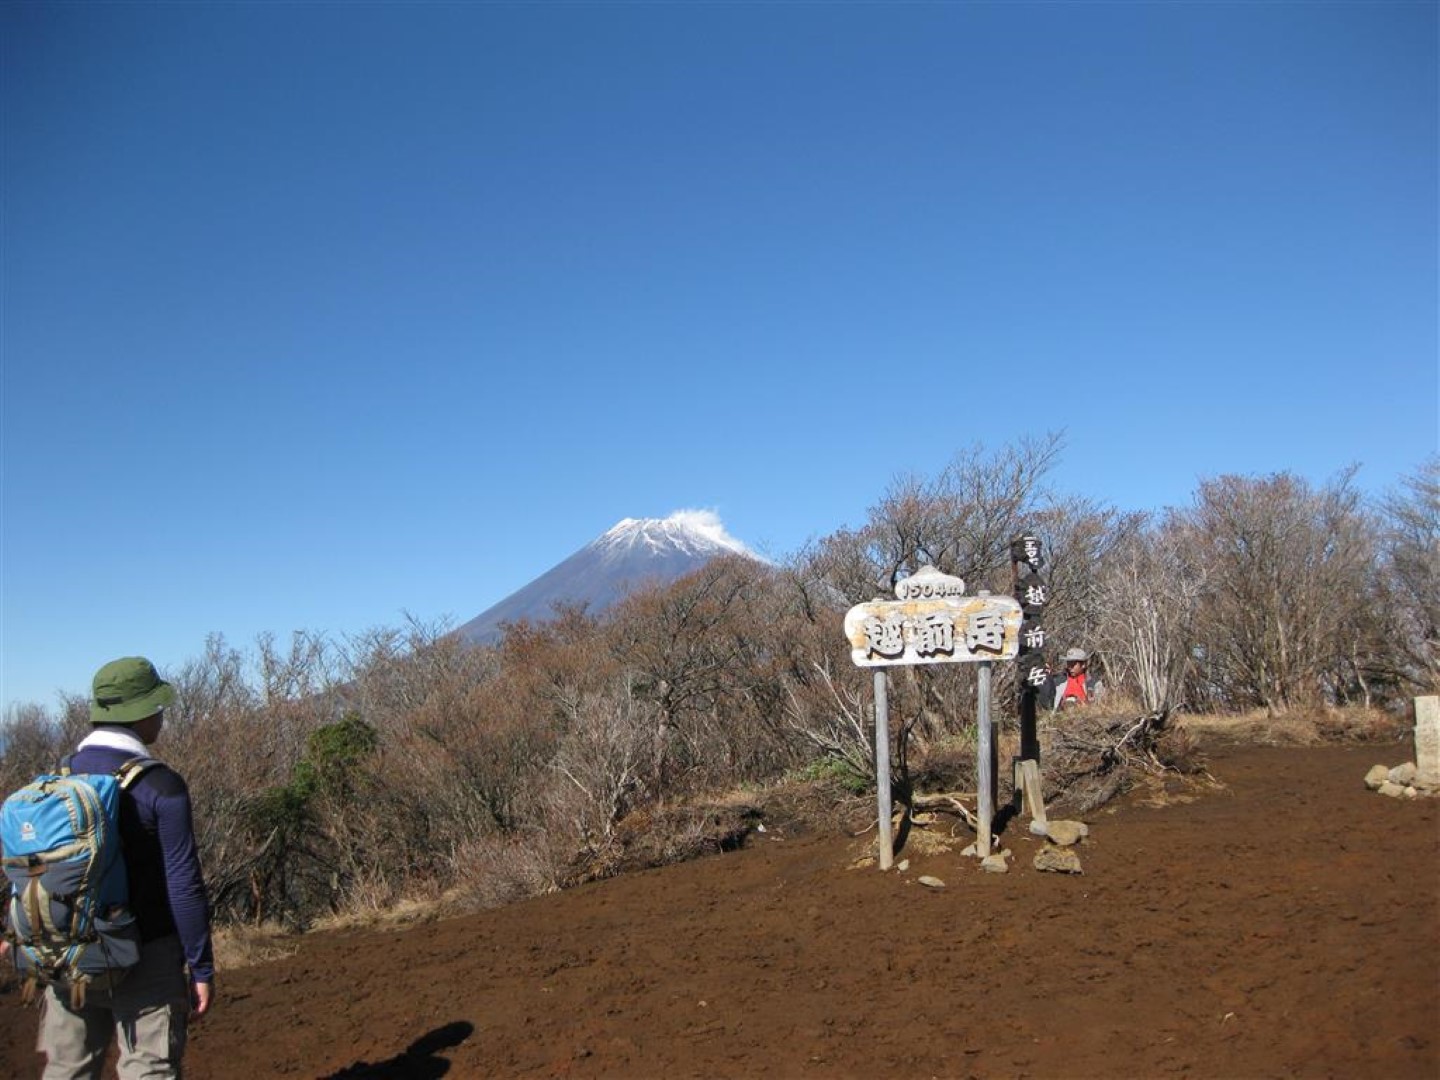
(146, 1012)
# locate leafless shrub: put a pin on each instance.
(832, 716)
(690, 657)
(394, 676)
(961, 522)
(599, 763)
(679, 832)
(499, 869)
(232, 745)
(1147, 595)
(1081, 539)
(1286, 572)
(32, 740)
(1411, 582)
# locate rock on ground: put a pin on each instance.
(1066, 833)
(1403, 775)
(1059, 860)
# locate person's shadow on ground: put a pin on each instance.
(420, 1060)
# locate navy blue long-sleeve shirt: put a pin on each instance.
(167, 888)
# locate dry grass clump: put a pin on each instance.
(1364, 725)
(1298, 727)
(408, 911)
(244, 945)
(1254, 728)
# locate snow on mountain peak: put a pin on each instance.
(686, 530)
(632, 554)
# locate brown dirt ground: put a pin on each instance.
(1285, 924)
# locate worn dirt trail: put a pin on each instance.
(1288, 925)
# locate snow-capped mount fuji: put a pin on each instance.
(689, 533)
(633, 553)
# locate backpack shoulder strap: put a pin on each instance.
(128, 772)
(132, 770)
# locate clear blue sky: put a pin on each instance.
(314, 314)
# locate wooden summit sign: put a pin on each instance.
(933, 622)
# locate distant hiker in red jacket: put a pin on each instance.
(1076, 686)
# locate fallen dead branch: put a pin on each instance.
(1093, 757)
(945, 803)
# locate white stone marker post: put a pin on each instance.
(1427, 739)
(933, 622)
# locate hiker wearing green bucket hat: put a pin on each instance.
(174, 982)
(128, 690)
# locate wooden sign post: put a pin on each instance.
(882, 769)
(1032, 594)
(932, 621)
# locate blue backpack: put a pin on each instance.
(68, 918)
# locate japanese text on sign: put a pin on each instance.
(953, 630)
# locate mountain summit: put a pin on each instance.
(633, 553)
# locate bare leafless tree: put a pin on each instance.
(1080, 539)
(1285, 565)
(1411, 579)
(602, 758)
(1146, 598)
(961, 522)
(31, 740)
(686, 652)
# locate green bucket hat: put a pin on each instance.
(128, 690)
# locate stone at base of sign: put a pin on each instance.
(1400, 781)
(1063, 833)
(1058, 860)
(995, 864)
(930, 882)
(1396, 791)
(1402, 774)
